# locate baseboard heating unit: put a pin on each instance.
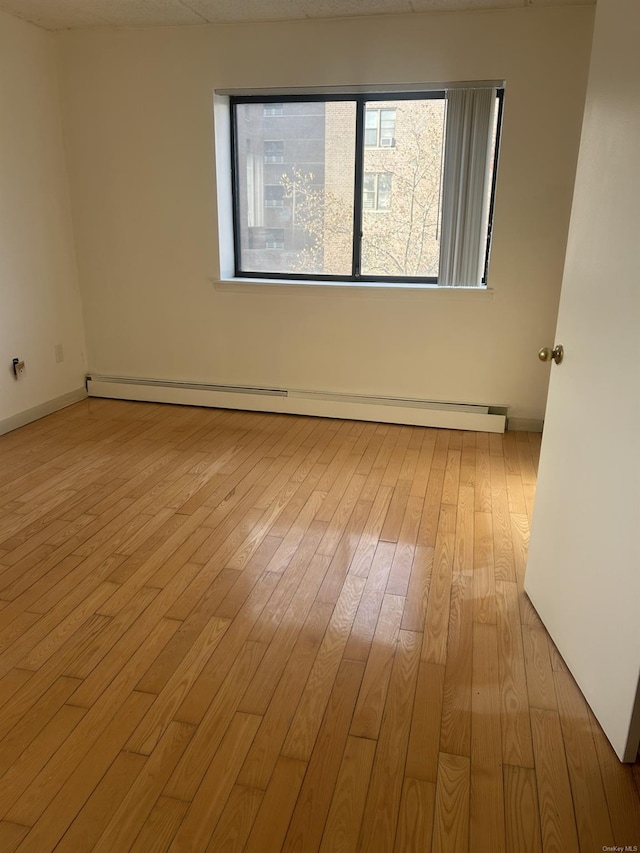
(360, 407)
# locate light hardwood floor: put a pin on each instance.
(232, 631)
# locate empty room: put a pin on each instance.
(319, 417)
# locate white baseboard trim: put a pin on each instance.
(345, 406)
(41, 411)
(525, 424)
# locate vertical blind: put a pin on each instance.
(465, 191)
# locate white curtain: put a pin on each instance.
(465, 192)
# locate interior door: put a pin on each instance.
(583, 573)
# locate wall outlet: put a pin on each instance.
(18, 368)
(59, 353)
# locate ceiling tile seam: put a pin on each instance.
(78, 8)
(194, 11)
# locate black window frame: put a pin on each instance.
(360, 100)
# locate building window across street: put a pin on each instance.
(379, 128)
(273, 151)
(376, 191)
(274, 195)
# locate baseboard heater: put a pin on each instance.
(360, 407)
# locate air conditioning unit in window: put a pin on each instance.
(388, 142)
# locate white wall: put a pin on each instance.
(137, 109)
(39, 297)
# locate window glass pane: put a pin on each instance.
(387, 128)
(371, 124)
(295, 193)
(405, 241)
(371, 137)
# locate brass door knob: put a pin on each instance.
(557, 354)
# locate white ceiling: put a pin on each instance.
(76, 14)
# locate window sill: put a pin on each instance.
(384, 289)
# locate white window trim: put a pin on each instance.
(353, 289)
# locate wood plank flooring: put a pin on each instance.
(227, 631)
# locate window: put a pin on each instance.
(425, 160)
(274, 238)
(273, 151)
(379, 128)
(376, 191)
(265, 238)
(273, 110)
(274, 195)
